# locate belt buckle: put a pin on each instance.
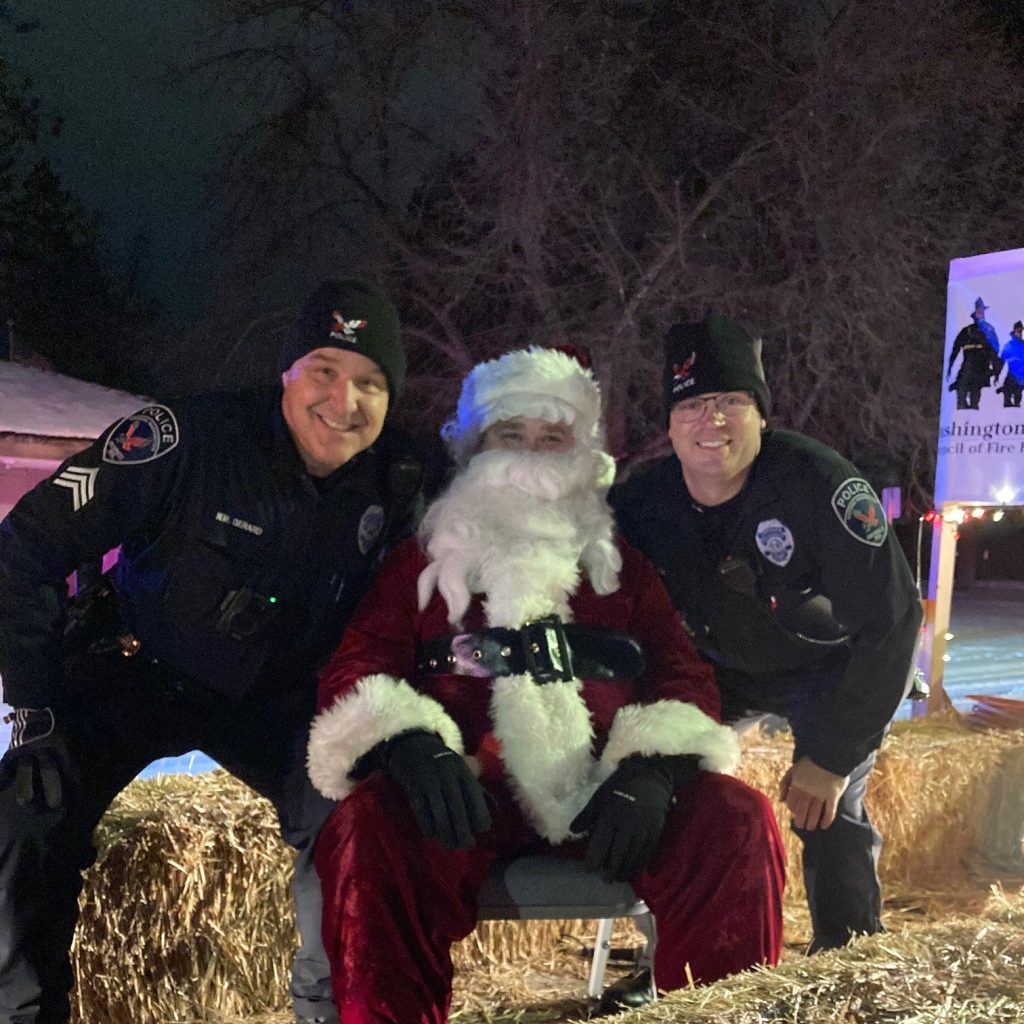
(545, 650)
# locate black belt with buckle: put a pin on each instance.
(546, 649)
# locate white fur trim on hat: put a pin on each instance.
(671, 727)
(538, 382)
(378, 708)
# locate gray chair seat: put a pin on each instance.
(540, 887)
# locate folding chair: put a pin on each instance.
(539, 887)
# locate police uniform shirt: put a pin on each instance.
(236, 569)
(806, 579)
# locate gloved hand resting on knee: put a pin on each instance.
(626, 816)
(446, 799)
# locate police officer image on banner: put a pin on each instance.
(978, 346)
(249, 525)
(779, 558)
(1012, 355)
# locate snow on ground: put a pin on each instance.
(46, 404)
(986, 654)
(193, 763)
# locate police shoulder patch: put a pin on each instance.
(369, 528)
(774, 541)
(142, 437)
(860, 511)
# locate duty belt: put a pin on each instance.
(546, 649)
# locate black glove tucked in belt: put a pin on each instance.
(446, 800)
(37, 761)
(626, 816)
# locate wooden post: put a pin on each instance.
(931, 657)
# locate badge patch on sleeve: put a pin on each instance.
(369, 527)
(142, 437)
(860, 511)
(774, 541)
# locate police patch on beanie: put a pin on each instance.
(682, 344)
(715, 354)
(350, 315)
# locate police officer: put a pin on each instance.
(978, 346)
(778, 555)
(249, 525)
(1012, 355)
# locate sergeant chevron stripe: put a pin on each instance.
(79, 482)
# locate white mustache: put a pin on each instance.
(545, 475)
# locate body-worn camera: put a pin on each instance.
(244, 613)
(739, 575)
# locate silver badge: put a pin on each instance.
(774, 541)
(369, 528)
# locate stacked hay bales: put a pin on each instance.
(186, 916)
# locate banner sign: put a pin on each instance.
(981, 419)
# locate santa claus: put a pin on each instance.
(518, 681)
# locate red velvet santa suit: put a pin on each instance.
(394, 901)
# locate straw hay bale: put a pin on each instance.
(961, 971)
(958, 973)
(187, 912)
(945, 798)
(186, 916)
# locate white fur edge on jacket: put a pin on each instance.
(546, 742)
(379, 707)
(671, 727)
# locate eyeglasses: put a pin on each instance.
(729, 404)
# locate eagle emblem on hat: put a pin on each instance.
(682, 371)
(345, 330)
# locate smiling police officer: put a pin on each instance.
(249, 525)
(777, 554)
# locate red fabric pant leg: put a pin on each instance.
(715, 885)
(394, 903)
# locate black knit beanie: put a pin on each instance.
(350, 315)
(713, 355)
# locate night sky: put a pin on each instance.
(137, 138)
(139, 133)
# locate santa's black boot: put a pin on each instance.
(628, 993)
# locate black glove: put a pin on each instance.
(446, 800)
(37, 761)
(626, 816)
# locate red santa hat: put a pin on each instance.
(539, 382)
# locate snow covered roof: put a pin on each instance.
(44, 404)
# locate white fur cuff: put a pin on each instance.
(378, 708)
(671, 727)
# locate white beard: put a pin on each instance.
(519, 527)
